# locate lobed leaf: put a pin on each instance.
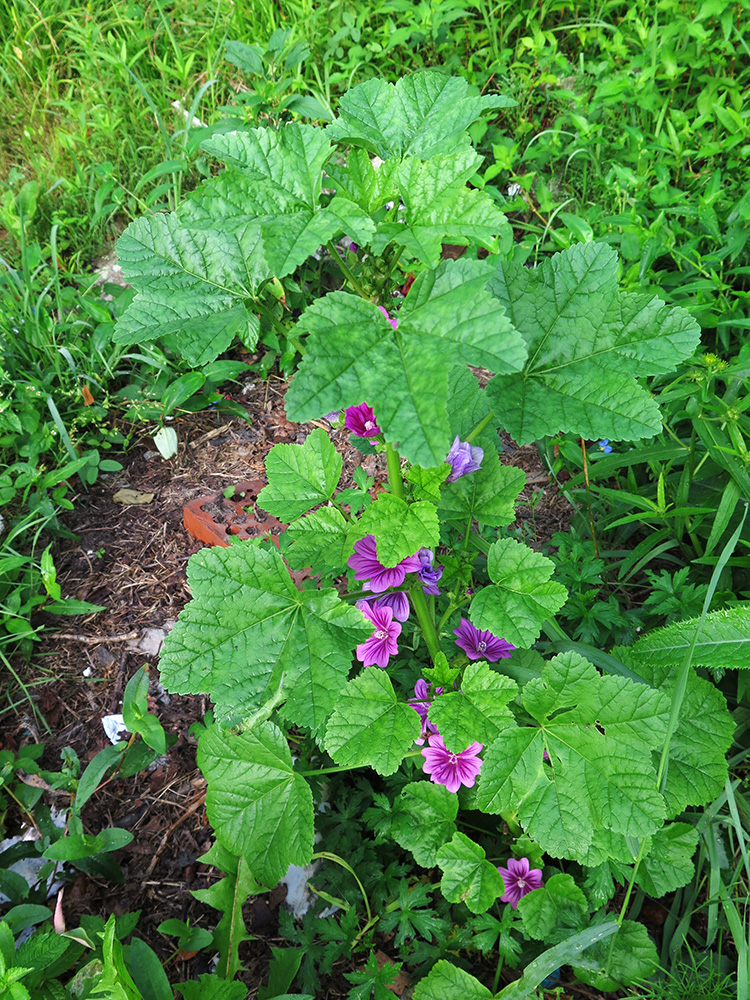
(248, 627)
(478, 711)
(369, 727)
(319, 540)
(424, 820)
(467, 876)
(259, 808)
(401, 529)
(300, 476)
(447, 982)
(588, 343)
(550, 913)
(487, 496)
(522, 596)
(669, 863)
(353, 354)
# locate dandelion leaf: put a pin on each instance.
(422, 115)
(467, 876)
(723, 642)
(588, 343)
(424, 817)
(369, 726)
(477, 712)
(353, 354)
(300, 476)
(248, 627)
(259, 808)
(521, 597)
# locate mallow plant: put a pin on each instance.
(410, 649)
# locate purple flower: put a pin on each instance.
(353, 247)
(382, 643)
(421, 704)
(391, 320)
(397, 601)
(463, 458)
(429, 574)
(360, 420)
(365, 564)
(481, 645)
(519, 880)
(451, 769)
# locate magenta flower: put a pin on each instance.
(463, 458)
(519, 880)
(377, 650)
(396, 600)
(429, 574)
(360, 420)
(391, 319)
(421, 704)
(451, 769)
(481, 645)
(365, 564)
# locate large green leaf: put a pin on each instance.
(522, 596)
(467, 876)
(300, 476)
(588, 344)
(353, 354)
(369, 726)
(439, 208)
(593, 779)
(629, 959)
(550, 913)
(319, 540)
(447, 982)
(697, 766)
(723, 643)
(423, 819)
(478, 711)
(401, 529)
(289, 160)
(259, 808)
(248, 627)
(669, 863)
(489, 495)
(423, 114)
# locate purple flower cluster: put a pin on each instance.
(429, 574)
(481, 645)
(463, 458)
(377, 577)
(361, 420)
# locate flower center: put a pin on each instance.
(481, 646)
(521, 883)
(369, 425)
(381, 634)
(453, 759)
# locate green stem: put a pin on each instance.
(346, 271)
(476, 431)
(419, 602)
(352, 767)
(395, 479)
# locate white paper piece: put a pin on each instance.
(165, 440)
(114, 726)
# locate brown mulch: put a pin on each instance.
(132, 559)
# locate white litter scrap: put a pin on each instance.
(114, 726)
